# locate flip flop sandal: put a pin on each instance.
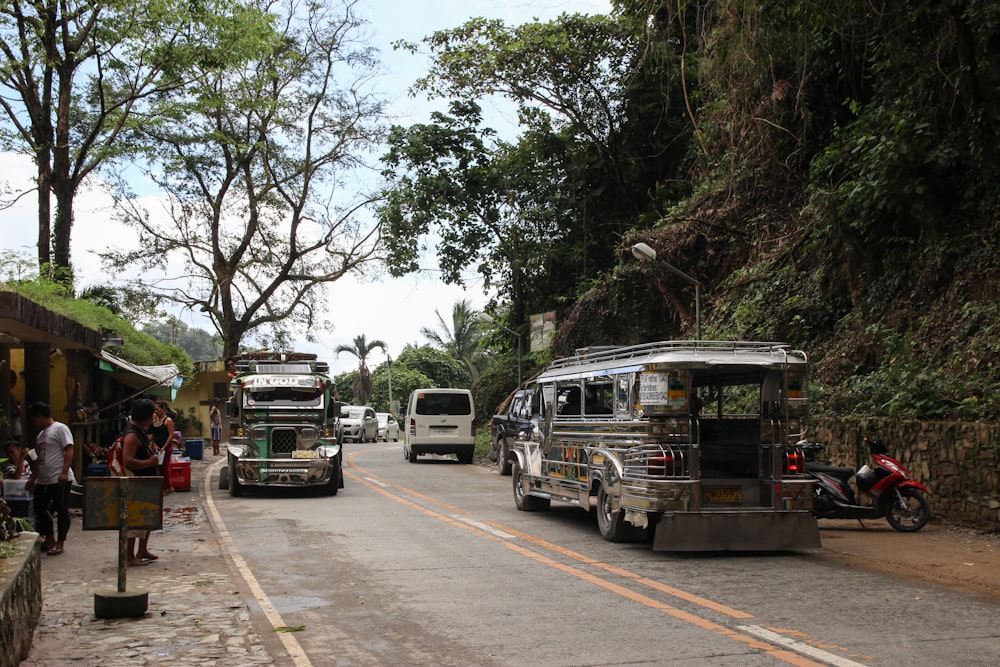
(54, 551)
(137, 562)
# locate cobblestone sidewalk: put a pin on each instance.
(196, 614)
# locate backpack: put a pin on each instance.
(116, 454)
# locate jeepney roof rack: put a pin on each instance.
(281, 368)
(604, 353)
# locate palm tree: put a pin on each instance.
(461, 340)
(361, 348)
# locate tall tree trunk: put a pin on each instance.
(62, 267)
(44, 211)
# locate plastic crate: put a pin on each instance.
(180, 475)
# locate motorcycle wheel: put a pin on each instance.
(908, 511)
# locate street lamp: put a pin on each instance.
(388, 370)
(643, 252)
(486, 319)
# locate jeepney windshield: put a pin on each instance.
(282, 392)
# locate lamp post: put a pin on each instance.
(643, 252)
(486, 319)
(388, 370)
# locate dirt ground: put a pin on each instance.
(943, 554)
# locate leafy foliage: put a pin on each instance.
(249, 160)
(827, 172)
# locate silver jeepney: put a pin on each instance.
(693, 440)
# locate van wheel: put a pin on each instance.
(467, 458)
(524, 501)
(503, 463)
(412, 456)
(224, 479)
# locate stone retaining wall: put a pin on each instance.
(21, 601)
(959, 462)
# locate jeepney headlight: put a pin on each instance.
(328, 451)
(243, 449)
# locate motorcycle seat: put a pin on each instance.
(836, 471)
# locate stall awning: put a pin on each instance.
(163, 381)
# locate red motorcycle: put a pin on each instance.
(889, 490)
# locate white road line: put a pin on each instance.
(483, 527)
(377, 482)
(295, 651)
(799, 647)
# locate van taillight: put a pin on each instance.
(794, 463)
(657, 465)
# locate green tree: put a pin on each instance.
(252, 166)
(360, 348)
(200, 344)
(76, 75)
(461, 339)
(439, 367)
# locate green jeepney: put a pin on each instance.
(285, 427)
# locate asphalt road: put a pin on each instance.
(431, 564)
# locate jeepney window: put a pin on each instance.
(547, 398)
(624, 396)
(568, 399)
(284, 397)
(599, 396)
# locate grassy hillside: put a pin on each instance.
(843, 197)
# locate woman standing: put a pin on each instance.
(162, 432)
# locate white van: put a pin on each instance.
(440, 421)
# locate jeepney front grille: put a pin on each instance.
(657, 461)
(283, 441)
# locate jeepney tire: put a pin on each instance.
(523, 501)
(224, 479)
(235, 488)
(612, 523)
(336, 482)
(503, 452)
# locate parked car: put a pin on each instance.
(388, 427)
(359, 422)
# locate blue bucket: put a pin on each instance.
(194, 448)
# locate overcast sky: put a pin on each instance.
(393, 310)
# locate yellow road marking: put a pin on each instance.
(751, 641)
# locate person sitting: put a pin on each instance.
(17, 465)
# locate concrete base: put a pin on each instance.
(112, 604)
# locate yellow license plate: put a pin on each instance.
(724, 495)
(304, 454)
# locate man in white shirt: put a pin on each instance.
(51, 476)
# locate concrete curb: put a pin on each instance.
(21, 601)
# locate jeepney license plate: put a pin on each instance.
(724, 495)
(304, 454)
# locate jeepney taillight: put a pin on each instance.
(794, 463)
(657, 465)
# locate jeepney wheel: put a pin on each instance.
(611, 522)
(524, 501)
(336, 481)
(224, 479)
(503, 463)
(235, 488)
